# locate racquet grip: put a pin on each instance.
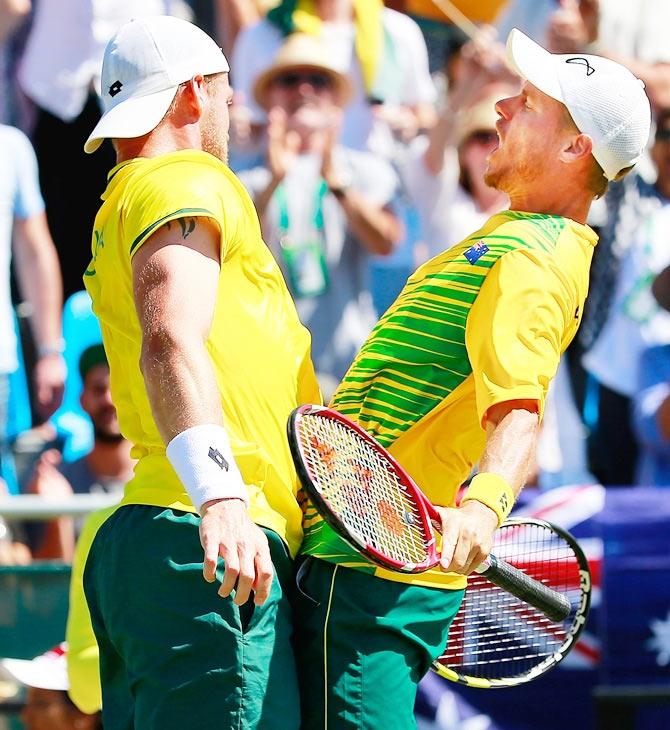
(555, 606)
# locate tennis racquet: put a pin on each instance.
(372, 503)
(497, 640)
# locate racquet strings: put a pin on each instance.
(495, 635)
(361, 487)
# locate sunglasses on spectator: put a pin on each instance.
(483, 136)
(663, 135)
(290, 79)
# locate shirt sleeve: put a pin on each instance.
(190, 190)
(515, 332)
(27, 198)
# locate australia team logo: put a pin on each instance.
(474, 253)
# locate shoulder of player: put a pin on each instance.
(197, 159)
(548, 233)
(185, 170)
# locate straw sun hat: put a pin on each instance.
(302, 52)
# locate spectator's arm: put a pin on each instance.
(651, 405)
(231, 17)
(376, 226)
(39, 278)
(58, 540)
(574, 28)
(480, 67)
(656, 77)
(282, 150)
(439, 139)
(11, 552)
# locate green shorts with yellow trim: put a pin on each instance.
(362, 645)
(173, 653)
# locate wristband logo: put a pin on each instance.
(503, 502)
(217, 457)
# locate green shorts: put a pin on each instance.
(174, 655)
(362, 645)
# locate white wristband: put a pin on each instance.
(202, 457)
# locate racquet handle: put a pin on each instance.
(555, 606)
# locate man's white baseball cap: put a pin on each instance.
(606, 101)
(47, 671)
(143, 65)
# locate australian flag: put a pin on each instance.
(625, 534)
(474, 253)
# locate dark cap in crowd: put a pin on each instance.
(93, 355)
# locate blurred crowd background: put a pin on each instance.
(361, 130)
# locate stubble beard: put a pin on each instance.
(494, 178)
(213, 141)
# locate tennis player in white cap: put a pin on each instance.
(207, 359)
(456, 374)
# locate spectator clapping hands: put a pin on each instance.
(573, 26)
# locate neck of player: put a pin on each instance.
(557, 199)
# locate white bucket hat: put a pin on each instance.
(47, 671)
(606, 101)
(143, 65)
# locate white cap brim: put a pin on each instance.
(41, 672)
(134, 117)
(530, 61)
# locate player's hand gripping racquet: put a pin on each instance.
(496, 640)
(370, 501)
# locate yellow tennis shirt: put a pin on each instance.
(258, 348)
(484, 322)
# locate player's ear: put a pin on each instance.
(193, 95)
(577, 147)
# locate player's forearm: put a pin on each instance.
(510, 447)
(180, 383)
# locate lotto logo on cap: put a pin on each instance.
(144, 64)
